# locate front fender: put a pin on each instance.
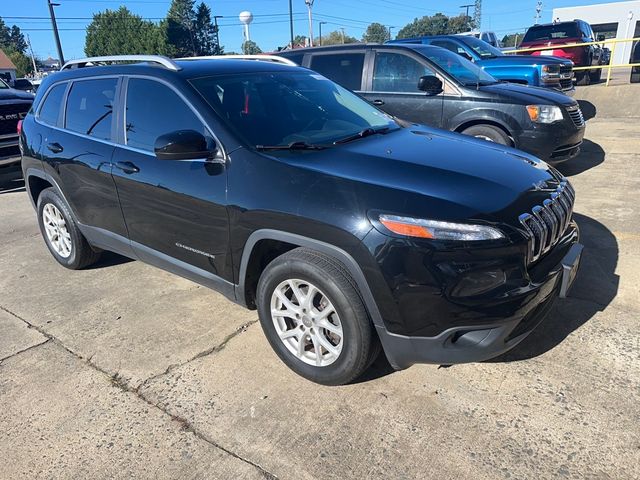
(507, 120)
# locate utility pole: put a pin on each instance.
(33, 58)
(320, 27)
(342, 30)
(291, 20)
(467, 7)
(390, 27)
(309, 4)
(216, 29)
(56, 35)
(538, 12)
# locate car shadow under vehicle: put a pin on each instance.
(591, 155)
(109, 259)
(11, 180)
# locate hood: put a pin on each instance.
(519, 60)
(13, 94)
(441, 175)
(526, 95)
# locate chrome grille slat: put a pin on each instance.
(576, 115)
(546, 224)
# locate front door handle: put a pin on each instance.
(127, 167)
(55, 147)
(378, 102)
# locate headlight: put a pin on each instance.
(421, 228)
(550, 71)
(544, 113)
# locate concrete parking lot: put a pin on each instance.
(123, 370)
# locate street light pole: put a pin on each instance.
(217, 30)
(56, 35)
(342, 30)
(320, 27)
(309, 4)
(390, 32)
(291, 20)
(467, 7)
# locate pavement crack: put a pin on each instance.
(24, 350)
(217, 348)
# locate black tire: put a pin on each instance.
(583, 78)
(489, 133)
(595, 77)
(81, 254)
(360, 345)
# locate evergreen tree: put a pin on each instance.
(205, 32)
(180, 26)
(16, 39)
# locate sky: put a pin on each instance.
(270, 27)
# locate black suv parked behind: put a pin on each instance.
(433, 86)
(14, 105)
(287, 193)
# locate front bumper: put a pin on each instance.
(553, 143)
(475, 342)
(9, 154)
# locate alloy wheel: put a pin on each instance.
(56, 230)
(306, 322)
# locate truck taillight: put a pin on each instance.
(19, 127)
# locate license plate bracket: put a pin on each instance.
(570, 265)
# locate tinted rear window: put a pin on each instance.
(552, 32)
(90, 107)
(343, 68)
(50, 109)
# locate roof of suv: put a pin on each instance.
(352, 46)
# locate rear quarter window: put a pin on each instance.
(343, 68)
(50, 109)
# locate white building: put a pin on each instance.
(621, 18)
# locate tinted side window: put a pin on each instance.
(343, 68)
(296, 58)
(452, 47)
(50, 109)
(395, 72)
(90, 107)
(154, 109)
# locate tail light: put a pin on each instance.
(19, 127)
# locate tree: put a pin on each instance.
(300, 40)
(12, 38)
(180, 25)
(376, 33)
(118, 32)
(336, 38)
(205, 32)
(437, 24)
(251, 48)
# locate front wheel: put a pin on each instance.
(314, 318)
(488, 133)
(596, 77)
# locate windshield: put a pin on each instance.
(465, 72)
(552, 32)
(482, 48)
(286, 108)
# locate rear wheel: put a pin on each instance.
(489, 133)
(314, 318)
(61, 234)
(595, 77)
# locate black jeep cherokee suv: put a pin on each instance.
(346, 229)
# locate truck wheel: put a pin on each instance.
(61, 234)
(488, 133)
(314, 318)
(595, 77)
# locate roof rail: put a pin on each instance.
(263, 58)
(94, 61)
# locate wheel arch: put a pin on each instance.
(484, 121)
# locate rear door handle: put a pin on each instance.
(378, 102)
(55, 147)
(127, 167)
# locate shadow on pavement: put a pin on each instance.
(594, 289)
(109, 259)
(591, 155)
(589, 110)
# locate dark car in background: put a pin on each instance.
(14, 105)
(558, 37)
(433, 86)
(635, 58)
(555, 73)
(289, 194)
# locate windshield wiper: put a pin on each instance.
(292, 146)
(367, 132)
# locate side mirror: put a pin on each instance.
(601, 38)
(431, 85)
(183, 145)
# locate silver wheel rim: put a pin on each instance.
(56, 230)
(484, 137)
(307, 323)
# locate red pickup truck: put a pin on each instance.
(559, 37)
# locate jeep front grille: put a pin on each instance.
(546, 223)
(576, 115)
